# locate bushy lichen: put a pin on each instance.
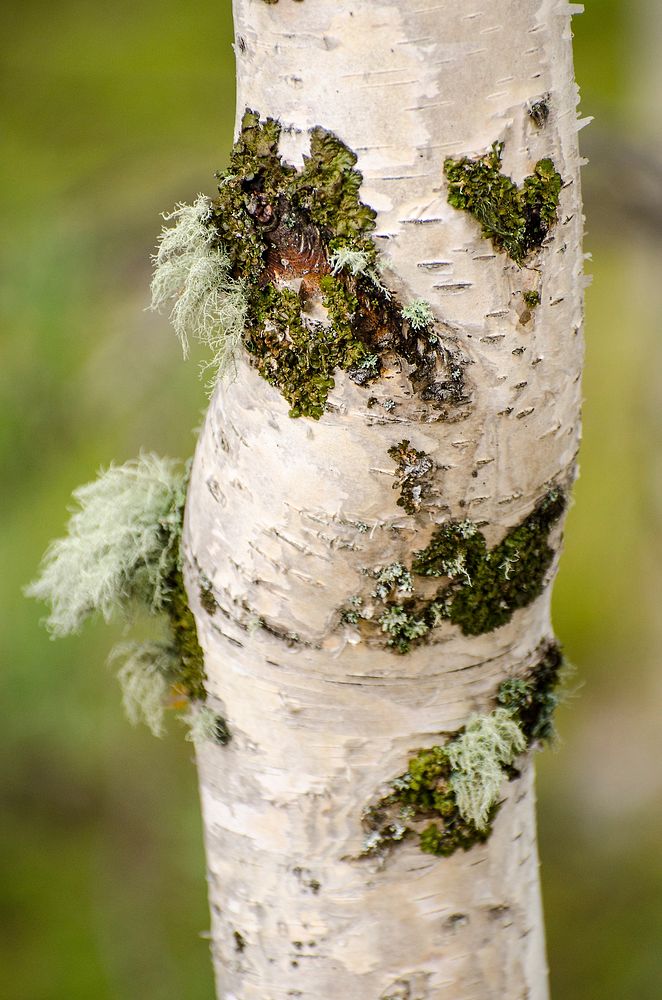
(192, 270)
(122, 545)
(418, 314)
(515, 219)
(121, 558)
(449, 794)
(478, 758)
(206, 726)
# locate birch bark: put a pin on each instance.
(285, 516)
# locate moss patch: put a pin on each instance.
(532, 299)
(298, 242)
(515, 219)
(423, 802)
(488, 586)
(190, 675)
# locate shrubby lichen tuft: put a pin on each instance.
(449, 794)
(418, 314)
(478, 757)
(121, 558)
(192, 269)
(144, 679)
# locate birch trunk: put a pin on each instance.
(278, 508)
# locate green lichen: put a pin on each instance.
(488, 586)
(286, 256)
(532, 299)
(485, 586)
(418, 314)
(515, 219)
(449, 795)
(413, 475)
(534, 698)
(121, 558)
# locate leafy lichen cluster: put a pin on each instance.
(283, 259)
(515, 219)
(484, 587)
(488, 585)
(448, 796)
(414, 470)
(121, 558)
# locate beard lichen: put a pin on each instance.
(515, 219)
(449, 795)
(121, 558)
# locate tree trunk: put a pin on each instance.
(293, 524)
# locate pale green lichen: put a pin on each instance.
(121, 547)
(192, 269)
(418, 314)
(206, 726)
(449, 794)
(478, 759)
(143, 680)
(394, 577)
(121, 558)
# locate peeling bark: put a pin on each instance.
(288, 519)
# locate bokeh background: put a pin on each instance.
(112, 114)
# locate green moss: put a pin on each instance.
(413, 475)
(532, 700)
(190, 676)
(298, 244)
(532, 299)
(448, 796)
(487, 587)
(515, 219)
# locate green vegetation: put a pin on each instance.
(516, 220)
(413, 477)
(448, 796)
(121, 558)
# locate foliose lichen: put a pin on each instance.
(449, 795)
(413, 476)
(297, 256)
(515, 219)
(488, 585)
(484, 587)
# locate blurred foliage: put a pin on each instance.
(112, 114)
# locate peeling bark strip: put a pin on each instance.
(297, 551)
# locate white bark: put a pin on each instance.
(320, 725)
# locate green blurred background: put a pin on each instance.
(111, 115)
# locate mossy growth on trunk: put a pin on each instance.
(301, 273)
(515, 219)
(484, 587)
(449, 795)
